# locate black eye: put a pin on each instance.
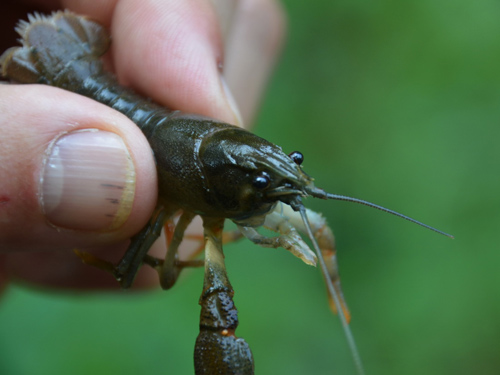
(261, 180)
(297, 157)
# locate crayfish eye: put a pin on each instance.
(261, 180)
(297, 157)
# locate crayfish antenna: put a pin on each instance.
(320, 193)
(298, 206)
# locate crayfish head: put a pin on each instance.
(247, 175)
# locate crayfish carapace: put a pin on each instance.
(206, 168)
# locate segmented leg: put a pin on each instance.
(136, 254)
(170, 268)
(228, 236)
(218, 350)
(126, 269)
(289, 240)
(282, 219)
(141, 243)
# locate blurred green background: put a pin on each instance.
(396, 102)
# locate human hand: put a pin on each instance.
(173, 52)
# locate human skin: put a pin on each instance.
(207, 57)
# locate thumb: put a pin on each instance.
(73, 172)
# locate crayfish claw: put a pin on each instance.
(218, 350)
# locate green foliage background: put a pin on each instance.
(396, 102)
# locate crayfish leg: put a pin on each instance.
(284, 217)
(140, 244)
(136, 253)
(171, 266)
(218, 350)
(289, 240)
(228, 236)
(92, 260)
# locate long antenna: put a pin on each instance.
(320, 193)
(297, 204)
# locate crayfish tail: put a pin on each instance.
(53, 44)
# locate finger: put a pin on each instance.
(173, 51)
(254, 34)
(225, 11)
(73, 171)
(63, 270)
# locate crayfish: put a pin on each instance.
(207, 168)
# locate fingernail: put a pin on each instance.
(232, 103)
(88, 181)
